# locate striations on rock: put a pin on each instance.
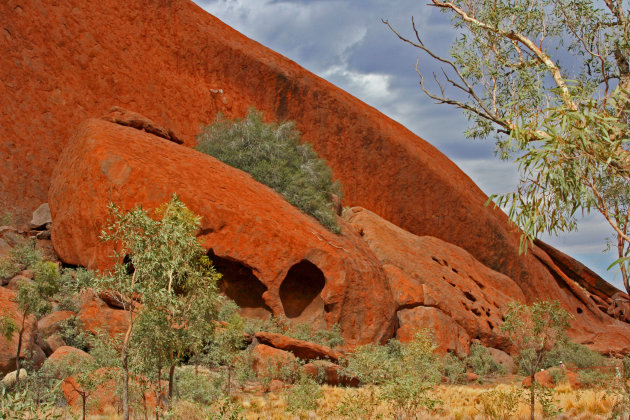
(274, 258)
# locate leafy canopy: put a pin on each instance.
(273, 154)
(550, 80)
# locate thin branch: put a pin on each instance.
(542, 57)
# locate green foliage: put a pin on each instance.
(535, 330)
(72, 334)
(453, 368)
(500, 403)
(372, 363)
(403, 372)
(8, 327)
(304, 395)
(6, 218)
(165, 265)
(330, 337)
(595, 377)
(273, 155)
(573, 354)
(202, 388)
(20, 405)
(547, 402)
(20, 258)
(482, 362)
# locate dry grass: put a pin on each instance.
(458, 402)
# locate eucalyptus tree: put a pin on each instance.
(160, 263)
(534, 331)
(550, 81)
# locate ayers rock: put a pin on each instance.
(64, 62)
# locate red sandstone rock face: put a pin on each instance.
(97, 317)
(426, 271)
(438, 285)
(71, 61)
(275, 259)
(179, 66)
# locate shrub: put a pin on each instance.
(574, 354)
(330, 337)
(20, 258)
(21, 405)
(453, 368)
(304, 395)
(273, 155)
(482, 362)
(500, 403)
(199, 388)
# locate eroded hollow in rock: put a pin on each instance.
(241, 285)
(300, 294)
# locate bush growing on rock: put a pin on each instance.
(273, 155)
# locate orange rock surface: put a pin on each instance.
(179, 66)
(427, 272)
(273, 257)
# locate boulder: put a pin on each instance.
(438, 285)
(10, 378)
(574, 379)
(50, 324)
(41, 217)
(95, 316)
(449, 336)
(53, 343)
(305, 350)
(274, 259)
(543, 378)
(66, 355)
(471, 377)
(8, 348)
(15, 282)
(275, 385)
(106, 395)
(503, 359)
(619, 307)
(272, 363)
(128, 118)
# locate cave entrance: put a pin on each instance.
(241, 285)
(300, 294)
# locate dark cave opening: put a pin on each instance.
(241, 285)
(300, 292)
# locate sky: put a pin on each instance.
(345, 42)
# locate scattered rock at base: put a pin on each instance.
(41, 217)
(10, 378)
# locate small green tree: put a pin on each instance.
(167, 267)
(274, 156)
(33, 300)
(225, 348)
(535, 330)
